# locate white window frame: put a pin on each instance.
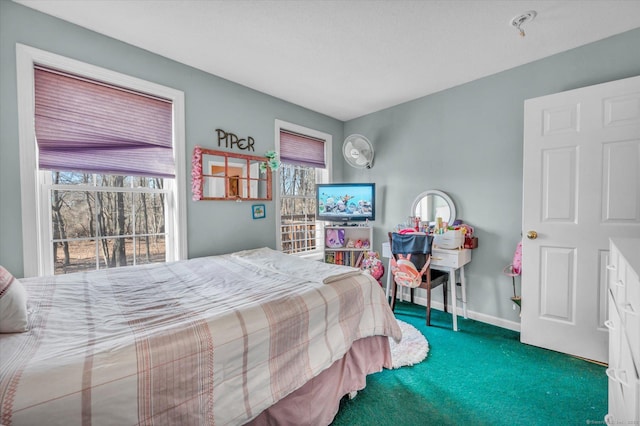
(328, 145)
(34, 203)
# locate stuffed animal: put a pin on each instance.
(372, 264)
(334, 238)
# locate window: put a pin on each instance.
(99, 190)
(103, 221)
(304, 155)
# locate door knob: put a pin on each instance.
(532, 235)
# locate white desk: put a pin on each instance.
(442, 260)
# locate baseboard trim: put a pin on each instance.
(478, 316)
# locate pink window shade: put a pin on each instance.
(88, 126)
(301, 150)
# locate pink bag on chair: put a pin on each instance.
(405, 273)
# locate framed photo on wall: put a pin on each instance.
(258, 211)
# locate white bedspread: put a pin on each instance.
(212, 340)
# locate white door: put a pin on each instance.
(581, 186)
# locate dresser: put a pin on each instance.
(624, 331)
(451, 261)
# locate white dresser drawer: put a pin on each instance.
(450, 258)
(633, 287)
(624, 406)
(624, 332)
(627, 303)
(617, 279)
(630, 314)
(630, 318)
(616, 404)
(616, 333)
(623, 402)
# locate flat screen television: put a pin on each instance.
(346, 202)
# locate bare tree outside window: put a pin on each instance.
(106, 221)
(299, 230)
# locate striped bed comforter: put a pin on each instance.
(212, 340)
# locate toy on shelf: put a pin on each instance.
(335, 238)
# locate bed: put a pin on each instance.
(255, 337)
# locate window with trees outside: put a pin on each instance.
(108, 151)
(304, 155)
(104, 221)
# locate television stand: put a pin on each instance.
(344, 243)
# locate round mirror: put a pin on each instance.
(433, 204)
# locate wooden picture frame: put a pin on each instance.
(228, 176)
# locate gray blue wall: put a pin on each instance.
(210, 102)
(466, 141)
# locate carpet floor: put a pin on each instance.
(480, 375)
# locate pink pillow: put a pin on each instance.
(13, 304)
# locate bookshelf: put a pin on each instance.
(344, 243)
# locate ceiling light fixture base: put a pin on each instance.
(522, 19)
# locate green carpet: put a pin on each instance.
(480, 375)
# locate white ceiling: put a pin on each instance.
(349, 58)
